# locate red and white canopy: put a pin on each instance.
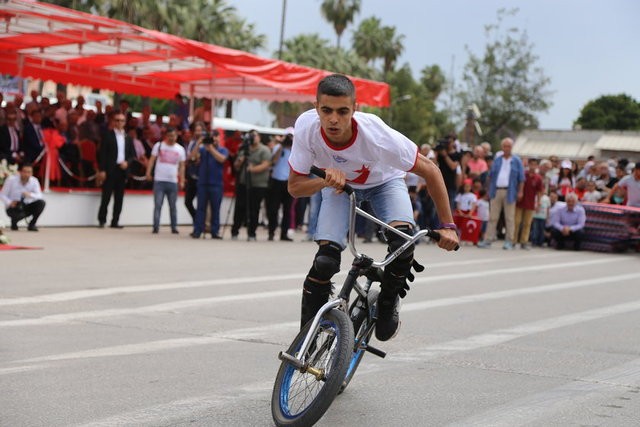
(44, 41)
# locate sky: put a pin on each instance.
(588, 48)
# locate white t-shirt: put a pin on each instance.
(503, 174)
(483, 210)
(375, 155)
(465, 201)
(168, 161)
(632, 185)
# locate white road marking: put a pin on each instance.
(93, 293)
(267, 331)
(525, 411)
(622, 376)
(192, 303)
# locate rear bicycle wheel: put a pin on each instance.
(362, 330)
(300, 398)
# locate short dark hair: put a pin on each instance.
(25, 165)
(336, 85)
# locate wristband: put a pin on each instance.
(448, 226)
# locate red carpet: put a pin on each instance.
(9, 247)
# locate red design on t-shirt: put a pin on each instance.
(362, 178)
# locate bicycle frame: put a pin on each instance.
(360, 264)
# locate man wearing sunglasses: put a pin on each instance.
(115, 155)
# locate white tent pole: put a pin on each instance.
(47, 171)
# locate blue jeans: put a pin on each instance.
(208, 195)
(537, 231)
(389, 202)
(314, 210)
(160, 189)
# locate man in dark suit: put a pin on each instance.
(10, 139)
(115, 155)
(33, 140)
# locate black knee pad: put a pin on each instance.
(326, 262)
(401, 266)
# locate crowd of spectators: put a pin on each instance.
(524, 201)
(511, 198)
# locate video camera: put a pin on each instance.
(442, 145)
(247, 140)
(207, 138)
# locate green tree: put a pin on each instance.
(391, 49)
(505, 83)
(611, 112)
(340, 13)
(313, 51)
(368, 39)
(433, 79)
(413, 111)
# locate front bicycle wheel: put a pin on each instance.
(301, 398)
(362, 316)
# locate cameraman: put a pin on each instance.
(448, 161)
(253, 164)
(191, 168)
(278, 193)
(210, 183)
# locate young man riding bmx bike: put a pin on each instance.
(360, 149)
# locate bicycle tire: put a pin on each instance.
(360, 325)
(331, 350)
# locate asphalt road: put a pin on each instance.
(125, 328)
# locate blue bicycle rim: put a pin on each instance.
(288, 375)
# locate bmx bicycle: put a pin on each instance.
(324, 356)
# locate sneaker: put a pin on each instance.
(507, 246)
(175, 231)
(285, 239)
(216, 237)
(234, 237)
(194, 235)
(251, 239)
(154, 231)
(32, 228)
(524, 246)
(484, 244)
(14, 227)
(388, 323)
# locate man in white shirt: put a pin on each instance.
(359, 149)
(168, 177)
(22, 197)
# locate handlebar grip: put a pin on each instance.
(436, 238)
(319, 172)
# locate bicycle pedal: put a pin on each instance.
(375, 351)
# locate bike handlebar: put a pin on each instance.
(433, 234)
(319, 172)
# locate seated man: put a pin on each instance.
(568, 222)
(22, 196)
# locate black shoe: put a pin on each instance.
(14, 227)
(270, 237)
(117, 226)
(195, 235)
(154, 231)
(32, 228)
(175, 231)
(285, 239)
(388, 322)
(216, 237)
(101, 225)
